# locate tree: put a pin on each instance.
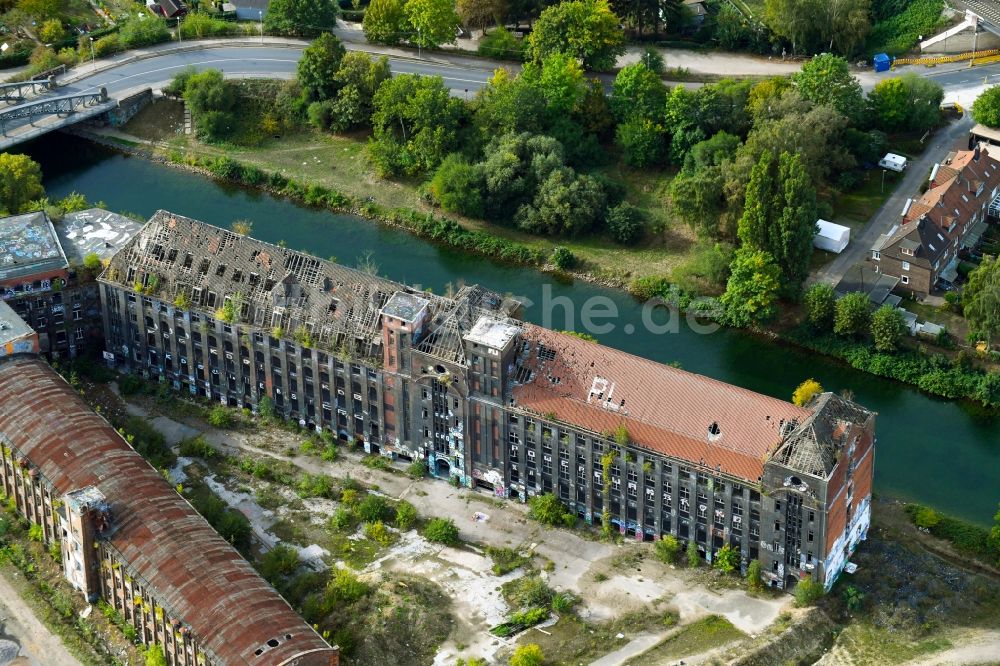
(458, 186)
(698, 199)
(566, 204)
(792, 237)
(211, 100)
(560, 82)
(820, 301)
(887, 328)
(624, 222)
(303, 18)
(806, 391)
(827, 80)
(584, 29)
(384, 22)
(986, 108)
(20, 182)
(846, 23)
(41, 10)
(508, 104)
(527, 655)
(726, 559)
(318, 67)
(441, 530)
(515, 166)
(908, 102)
(481, 13)
(754, 581)
(667, 549)
(51, 31)
(642, 142)
(432, 22)
(994, 538)
(415, 121)
(638, 91)
(851, 315)
(755, 226)
(693, 557)
(764, 95)
(752, 289)
(980, 299)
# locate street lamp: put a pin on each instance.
(260, 15)
(883, 181)
(418, 42)
(91, 51)
(180, 36)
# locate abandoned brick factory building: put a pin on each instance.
(128, 538)
(460, 382)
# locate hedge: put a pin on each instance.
(933, 374)
(966, 537)
(425, 225)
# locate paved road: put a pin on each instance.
(890, 212)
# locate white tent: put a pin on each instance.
(831, 237)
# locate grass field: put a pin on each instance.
(339, 162)
(697, 637)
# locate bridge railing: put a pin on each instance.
(64, 105)
(15, 92)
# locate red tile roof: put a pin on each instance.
(664, 409)
(192, 571)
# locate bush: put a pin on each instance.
(563, 259)
(373, 508)
(693, 557)
(806, 391)
(135, 32)
(379, 533)
(505, 560)
(820, 303)
(754, 581)
(197, 447)
(417, 469)
(343, 520)
(624, 223)
(346, 588)
(315, 485)
(406, 516)
(501, 44)
(727, 559)
(441, 530)
(808, 591)
(220, 417)
(528, 655)
(527, 592)
(197, 25)
(457, 186)
(667, 549)
(278, 563)
(548, 510)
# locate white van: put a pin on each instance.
(893, 162)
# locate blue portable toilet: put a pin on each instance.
(881, 62)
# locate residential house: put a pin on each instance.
(922, 251)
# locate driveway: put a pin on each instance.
(890, 213)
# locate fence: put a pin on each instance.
(930, 61)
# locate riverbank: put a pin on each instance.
(935, 375)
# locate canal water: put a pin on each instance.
(941, 453)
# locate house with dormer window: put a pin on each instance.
(952, 215)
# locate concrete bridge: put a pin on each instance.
(31, 119)
(979, 31)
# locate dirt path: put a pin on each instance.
(978, 647)
(18, 625)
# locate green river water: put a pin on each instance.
(941, 453)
